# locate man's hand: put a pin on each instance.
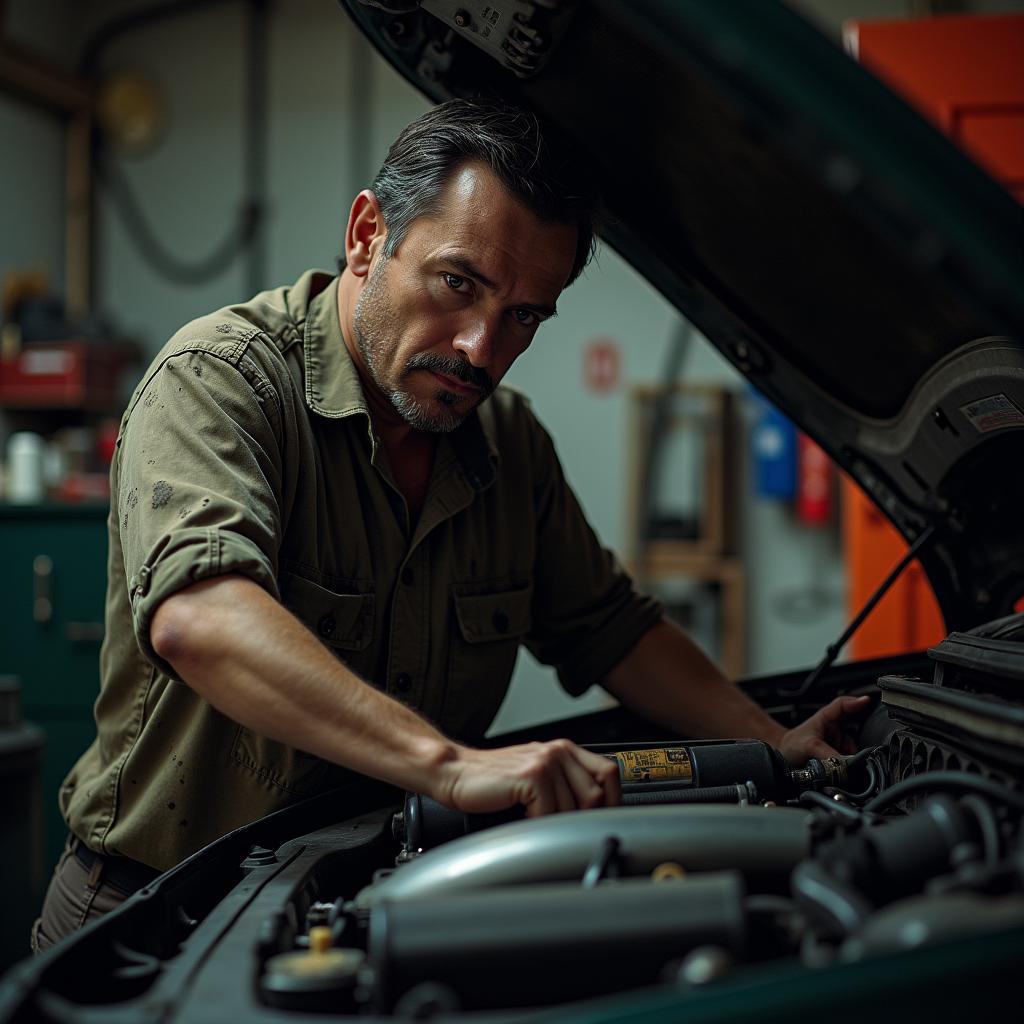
(543, 777)
(821, 735)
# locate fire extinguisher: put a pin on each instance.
(815, 483)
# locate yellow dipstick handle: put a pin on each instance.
(319, 939)
(669, 871)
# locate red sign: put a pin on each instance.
(814, 483)
(601, 366)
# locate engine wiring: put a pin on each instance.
(988, 827)
(831, 806)
(946, 780)
(875, 784)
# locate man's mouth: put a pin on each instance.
(453, 384)
(457, 377)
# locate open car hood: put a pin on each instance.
(840, 252)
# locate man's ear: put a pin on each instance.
(365, 233)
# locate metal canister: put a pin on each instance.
(699, 764)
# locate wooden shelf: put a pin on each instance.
(709, 556)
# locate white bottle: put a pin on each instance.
(25, 468)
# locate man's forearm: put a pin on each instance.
(252, 660)
(666, 678)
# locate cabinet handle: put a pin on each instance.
(42, 588)
(84, 632)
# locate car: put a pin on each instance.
(865, 276)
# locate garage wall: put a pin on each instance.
(32, 187)
(191, 186)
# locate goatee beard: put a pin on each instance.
(373, 323)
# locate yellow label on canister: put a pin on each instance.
(655, 764)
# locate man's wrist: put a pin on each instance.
(775, 735)
(440, 762)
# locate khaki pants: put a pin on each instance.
(75, 897)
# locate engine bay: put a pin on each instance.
(723, 869)
(837, 863)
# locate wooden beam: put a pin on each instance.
(78, 213)
(33, 79)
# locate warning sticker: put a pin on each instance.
(654, 764)
(993, 413)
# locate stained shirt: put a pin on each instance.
(247, 448)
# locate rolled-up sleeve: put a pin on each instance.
(198, 482)
(587, 614)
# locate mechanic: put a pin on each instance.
(329, 534)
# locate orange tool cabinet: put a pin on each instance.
(966, 75)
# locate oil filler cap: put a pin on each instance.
(318, 980)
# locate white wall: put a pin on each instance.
(192, 184)
(32, 189)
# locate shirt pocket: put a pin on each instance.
(484, 641)
(342, 621)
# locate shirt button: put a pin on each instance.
(500, 620)
(408, 576)
(403, 681)
(326, 625)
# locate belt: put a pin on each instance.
(120, 873)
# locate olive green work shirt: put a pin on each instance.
(248, 448)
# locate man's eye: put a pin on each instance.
(455, 282)
(526, 317)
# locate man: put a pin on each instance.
(329, 534)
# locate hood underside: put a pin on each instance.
(861, 271)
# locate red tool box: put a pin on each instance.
(65, 374)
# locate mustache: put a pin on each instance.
(451, 367)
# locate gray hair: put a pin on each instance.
(506, 139)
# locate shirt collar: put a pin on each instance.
(334, 390)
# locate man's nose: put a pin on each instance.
(476, 341)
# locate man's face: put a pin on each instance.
(440, 322)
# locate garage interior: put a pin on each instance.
(164, 159)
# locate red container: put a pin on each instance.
(64, 375)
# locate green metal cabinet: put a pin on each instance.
(54, 566)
